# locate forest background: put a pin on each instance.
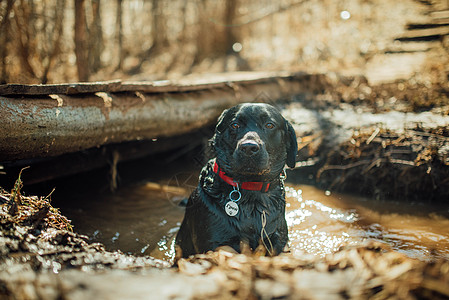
(55, 41)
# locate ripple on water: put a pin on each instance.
(319, 223)
(321, 226)
(315, 227)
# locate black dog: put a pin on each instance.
(240, 196)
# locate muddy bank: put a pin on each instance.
(36, 241)
(383, 141)
(42, 258)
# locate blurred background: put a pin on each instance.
(54, 41)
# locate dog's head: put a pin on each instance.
(253, 141)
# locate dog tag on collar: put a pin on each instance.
(231, 208)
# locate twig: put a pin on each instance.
(421, 133)
(375, 162)
(401, 162)
(15, 199)
(373, 135)
(341, 167)
(364, 162)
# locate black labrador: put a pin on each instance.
(240, 196)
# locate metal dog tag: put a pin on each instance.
(231, 208)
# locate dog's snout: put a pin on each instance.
(249, 148)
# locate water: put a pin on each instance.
(321, 222)
(144, 219)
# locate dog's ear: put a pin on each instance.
(225, 118)
(222, 121)
(222, 124)
(292, 145)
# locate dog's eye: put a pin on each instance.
(235, 125)
(269, 125)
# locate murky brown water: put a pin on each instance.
(144, 219)
(320, 222)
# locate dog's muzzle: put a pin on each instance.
(249, 148)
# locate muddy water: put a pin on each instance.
(320, 222)
(144, 219)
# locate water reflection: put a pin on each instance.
(317, 228)
(329, 221)
(144, 220)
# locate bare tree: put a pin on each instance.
(229, 20)
(119, 33)
(24, 18)
(201, 32)
(55, 40)
(177, 35)
(158, 33)
(182, 39)
(4, 37)
(81, 41)
(96, 42)
(159, 30)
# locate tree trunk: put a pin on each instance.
(119, 34)
(55, 41)
(4, 38)
(24, 19)
(96, 42)
(201, 33)
(159, 30)
(230, 16)
(81, 41)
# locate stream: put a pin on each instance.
(143, 219)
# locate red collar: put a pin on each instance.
(250, 186)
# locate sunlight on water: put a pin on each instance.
(165, 249)
(314, 227)
(329, 221)
(143, 221)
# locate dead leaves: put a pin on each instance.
(31, 211)
(370, 271)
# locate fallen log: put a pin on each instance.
(49, 120)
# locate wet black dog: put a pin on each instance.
(240, 196)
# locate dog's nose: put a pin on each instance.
(249, 148)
